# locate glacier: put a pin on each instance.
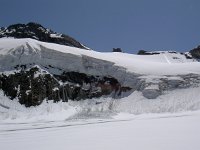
(137, 119)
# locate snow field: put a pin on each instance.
(170, 121)
(28, 50)
(172, 102)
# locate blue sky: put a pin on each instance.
(104, 24)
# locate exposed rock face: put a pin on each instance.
(117, 50)
(67, 76)
(192, 54)
(143, 52)
(38, 32)
(196, 52)
(32, 86)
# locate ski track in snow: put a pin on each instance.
(50, 126)
(167, 60)
(143, 132)
(64, 124)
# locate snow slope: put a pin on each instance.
(181, 100)
(26, 51)
(109, 124)
(171, 121)
(145, 132)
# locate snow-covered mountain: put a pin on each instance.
(99, 100)
(195, 52)
(38, 32)
(37, 64)
(32, 71)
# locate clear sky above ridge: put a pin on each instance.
(105, 24)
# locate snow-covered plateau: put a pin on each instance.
(143, 102)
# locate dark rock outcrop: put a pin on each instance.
(38, 32)
(195, 52)
(33, 86)
(143, 52)
(117, 50)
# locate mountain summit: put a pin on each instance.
(38, 32)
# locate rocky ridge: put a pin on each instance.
(192, 54)
(196, 52)
(38, 32)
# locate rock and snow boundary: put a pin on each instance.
(152, 74)
(172, 102)
(171, 86)
(91, 125)
(26, 51)
(170, 120)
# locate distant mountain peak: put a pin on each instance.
(37, 31)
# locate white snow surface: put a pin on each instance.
(22, 51)
(56, 35)
(110, 125)
(170, 121)
(144, 132)
(180, 100)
